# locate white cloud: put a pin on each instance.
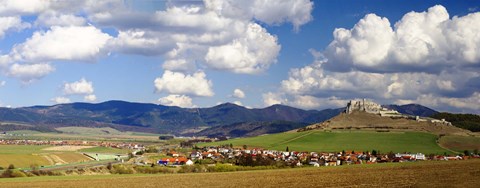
(5, 60)
(2, 83)
(238, 103)
(61, 100)
(74, 42)
(271, 98)
(181, 65)
(137, 41)
(184, 84)
(311, 102)
(468, 104)
(30, 72)
(52, 18)
(238, 93)
(419, 42)
(416, 61)
(176, 100)
(11, 23)
(81, 87)
(14, 7)
(253, 53)
(297, 12)
(90, 98)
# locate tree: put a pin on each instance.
(286, 149)
(231, 145)
(475, 151)
(466, 153)
(244, 146)
(374, 152)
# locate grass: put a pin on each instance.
(73, 157)
(86, 133)
(22, 149)
(22, 160)
(23, 156)
(337, 141)
(419, 174)
(101, 149)
(460, 143)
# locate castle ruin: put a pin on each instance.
(374, 108)
(370, 107)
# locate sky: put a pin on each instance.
(301, 53)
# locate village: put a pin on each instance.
(258, 157)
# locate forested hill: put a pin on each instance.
(466, 121)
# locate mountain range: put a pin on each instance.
(144, 117)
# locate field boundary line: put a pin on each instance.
(292, 139)
(437, 141)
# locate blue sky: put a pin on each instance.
(307, 54)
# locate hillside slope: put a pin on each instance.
(366, 121)
(250, 129)
(151, 117)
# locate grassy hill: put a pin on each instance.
(337, 141)
(372, 122)
(250, 129)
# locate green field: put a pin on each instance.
(84, 133)
(419, 174)
(337, 141)
(101, 149)
(22, 156)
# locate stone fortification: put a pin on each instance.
(369, 107)
(364, 105)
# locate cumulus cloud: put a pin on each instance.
(184, 84)
(238, 103)
(11, 23)
(271, 98)
(61, 100)
(13, 7)
(297, 12)
(181, 65)
(419, 42)
(137, 41)
(176, 100)
(53, 18)
(465, 105)
(76, 43)
(90, 98)
(80, 87)
(29, 72)
(416, 61)
(253, 53)
(238, 93)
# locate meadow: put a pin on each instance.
(460, 143)
(85, 133)
(419, 174)
(23, 156)
(337, 141)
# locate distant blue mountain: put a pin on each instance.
(154, 118)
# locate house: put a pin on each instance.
(189, 162)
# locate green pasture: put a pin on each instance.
(337, 141)
(101, 149)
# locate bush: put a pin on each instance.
(222, 168)
(192, 169)
(153, 170)
(122, 169)
(17, 174)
